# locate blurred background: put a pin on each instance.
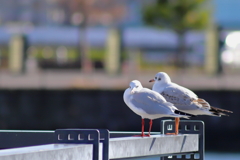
(66, 63)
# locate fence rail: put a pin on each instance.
(94, 144)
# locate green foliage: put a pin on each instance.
(73, 53)
(180, 15)
(96, 53)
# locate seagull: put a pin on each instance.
(184, 99)
(149, 104)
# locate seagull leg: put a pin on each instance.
(150, 127)
(177, 120)
(142, 134)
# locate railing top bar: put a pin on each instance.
(52, 131)
(151, 137)
(27, 131)
(131, 132)
(41, 148)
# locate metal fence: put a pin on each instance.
(100, 144)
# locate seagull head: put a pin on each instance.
(134, 86)
(161, 78)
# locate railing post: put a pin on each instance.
(85, 136)
(186, 127)
(104, 139)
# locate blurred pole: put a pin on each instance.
(31, 61)
(86, 63)
(213, 50)
(84, 49)
(221, 40)
(113, 52)
(181, 52)
(134, 62)
(212, 55)
(17, 54)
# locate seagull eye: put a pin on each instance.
(137, 86)
(159, 79)
(155, 77)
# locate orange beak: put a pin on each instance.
(152, 80)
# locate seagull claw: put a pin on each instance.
(142, 135)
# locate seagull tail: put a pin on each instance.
(219, 112)
(183, 113)
(214, 111)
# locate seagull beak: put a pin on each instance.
(133, 90)
(151, 80)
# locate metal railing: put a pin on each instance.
(96, 144)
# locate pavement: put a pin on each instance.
(75, 79)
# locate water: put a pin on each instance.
(222, 156)
(209, 156)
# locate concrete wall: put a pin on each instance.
(55, 109)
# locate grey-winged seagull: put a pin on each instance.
(149, 104)
(182, 98)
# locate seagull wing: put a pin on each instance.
(151, 102)
(178, 95)
(183, 98)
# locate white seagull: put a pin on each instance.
(149, 104)
(182, 98)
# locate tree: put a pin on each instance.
(179, 15)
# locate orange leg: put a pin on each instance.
(142, 135)
(150, 127)
(177, 120)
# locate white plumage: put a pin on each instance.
(149, 104)
(183, 98)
